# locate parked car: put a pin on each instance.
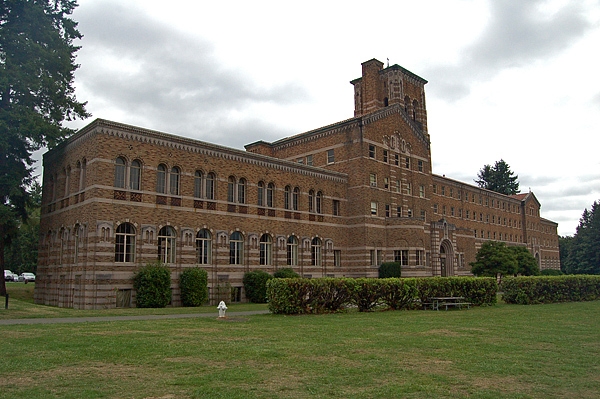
(10, 276)
(26, 277)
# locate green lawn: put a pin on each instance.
(543, 351)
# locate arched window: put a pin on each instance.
(203, 247)
(198, 184)
(414, 110)
(295, 198)
(315, 253)
(287, 197)
(82, 173)
(261, 193)
(241, 191)
(166, 244)
(174, 181)
(125, 243)
(292, 251)
(406, 103)
(161, 179)
(210, 186)
(135, 175)
(231, 189)
(311, 201)
(319, 202)
(270, 195)
(120, 172)
(236, 248)
(266, 249)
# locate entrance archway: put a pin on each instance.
(446, 259)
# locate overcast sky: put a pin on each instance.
(508, 79)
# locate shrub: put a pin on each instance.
(286, 272)
(366, 293)
(390, 269)
(194, 286)
(152, 284)
(255, 285)
(551, 272)
(399, 293)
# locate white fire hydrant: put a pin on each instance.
(222, 308)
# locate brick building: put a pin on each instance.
(335, 201)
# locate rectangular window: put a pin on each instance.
(420, 165)
(309, 160)
(330, 156)
(337, 258)
(409, 213)
(407, 163)
(443, 190)
(387, 210)
(386, 183)
(396, 159)
(408, 189)
(399, 212)
(435, 208)
(336, 207)
(422, 191)
(374, 208)
(371, 151)
(300, 161)
(401, 256)
(385, 156)
(420, 257)
(373, 180)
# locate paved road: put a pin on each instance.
(59, 320)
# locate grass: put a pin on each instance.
(503, 351)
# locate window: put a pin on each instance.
(401, 256)
(124, 243)
(420, 165)
(161, 179)
(399, 212)
(408, 189)
(231, 189)
(373, 208)
(203, 247)
(386, 183)
(266, 249)
(287, 197)
(435, 208)
(422, 191)
(166, 245)
(371, 151)
(387, 210)
(241, 191)
(261, 193)
(292, 251)
(337, 258)
(295, 198)
(198, 184)
(385, 156)
(409, 213)
(309, 160)
(336, 207)
(407, 163)
(443, 190)
(319, 202)
(373, 179)
(396, 159)
(420, 257)
(236, 247)
(311, 198)
(135, 175)
(330, 156)
(270, 194)
(210, 186)
(174, 180)
(315, 251)
(120, 173)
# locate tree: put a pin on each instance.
(498, 178)
(581, 252)
(494, 259)
(36, 97)
(526, 263)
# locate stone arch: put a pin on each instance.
(446, 258)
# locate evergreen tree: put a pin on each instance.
(36, 96)
(526, 263)
(494, 258)
(584, 252)
(498, 178)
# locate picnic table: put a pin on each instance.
(447, 302)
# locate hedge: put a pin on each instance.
(323, 295)
(255, 285)
(550, 289)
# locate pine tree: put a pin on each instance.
(498, 178)
(36, 96)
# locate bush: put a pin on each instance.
(390, 269)
(286, 272)
(255, 285)
(551, 272)
(152, 284)
(399, 293)
(550, 289)
(194, 286)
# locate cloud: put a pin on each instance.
(518, 33)
(148, 73)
